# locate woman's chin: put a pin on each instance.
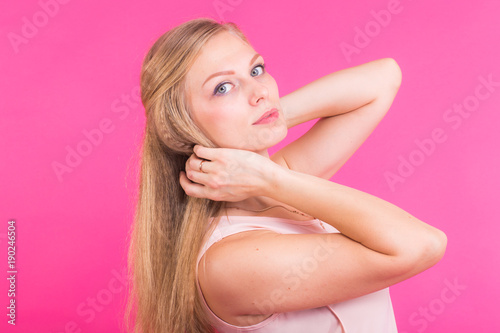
(270, 136)
(258, 141)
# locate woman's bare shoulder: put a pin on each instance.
(243, 274)
(216, 256)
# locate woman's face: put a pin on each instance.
(229, 91)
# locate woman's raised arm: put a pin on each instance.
(379, 245)
(350, 103)
(406, 242)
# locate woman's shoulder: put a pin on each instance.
(264, 262)
(212, 285)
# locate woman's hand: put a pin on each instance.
(226, 174)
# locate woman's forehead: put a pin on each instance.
(223, 52)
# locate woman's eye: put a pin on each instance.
(223, 88)
(258, 70)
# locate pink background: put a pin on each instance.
(70, 82)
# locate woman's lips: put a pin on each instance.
(268, 117)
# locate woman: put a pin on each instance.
(228, 237)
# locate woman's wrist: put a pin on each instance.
(295, 115)
(275, 177)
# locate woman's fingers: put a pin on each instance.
(204, 152)
(222, 174)
(195, 164)
(196, 190)
(190, 188)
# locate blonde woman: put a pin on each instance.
(227, 237)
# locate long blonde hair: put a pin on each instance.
(169, 226)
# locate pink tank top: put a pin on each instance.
(369, 313)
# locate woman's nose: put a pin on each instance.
(258, 93)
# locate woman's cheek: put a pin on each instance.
(274, 87)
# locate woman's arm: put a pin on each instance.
(350, 103)
(379, 245)
(233, 175)
(408, 244)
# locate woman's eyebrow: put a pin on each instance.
(229, 72)
(254, 58)
(217, 74)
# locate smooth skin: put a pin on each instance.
(378, 245)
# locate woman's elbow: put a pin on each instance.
(437, 246)
(423, 253)
(432, 249)
(393, 72)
